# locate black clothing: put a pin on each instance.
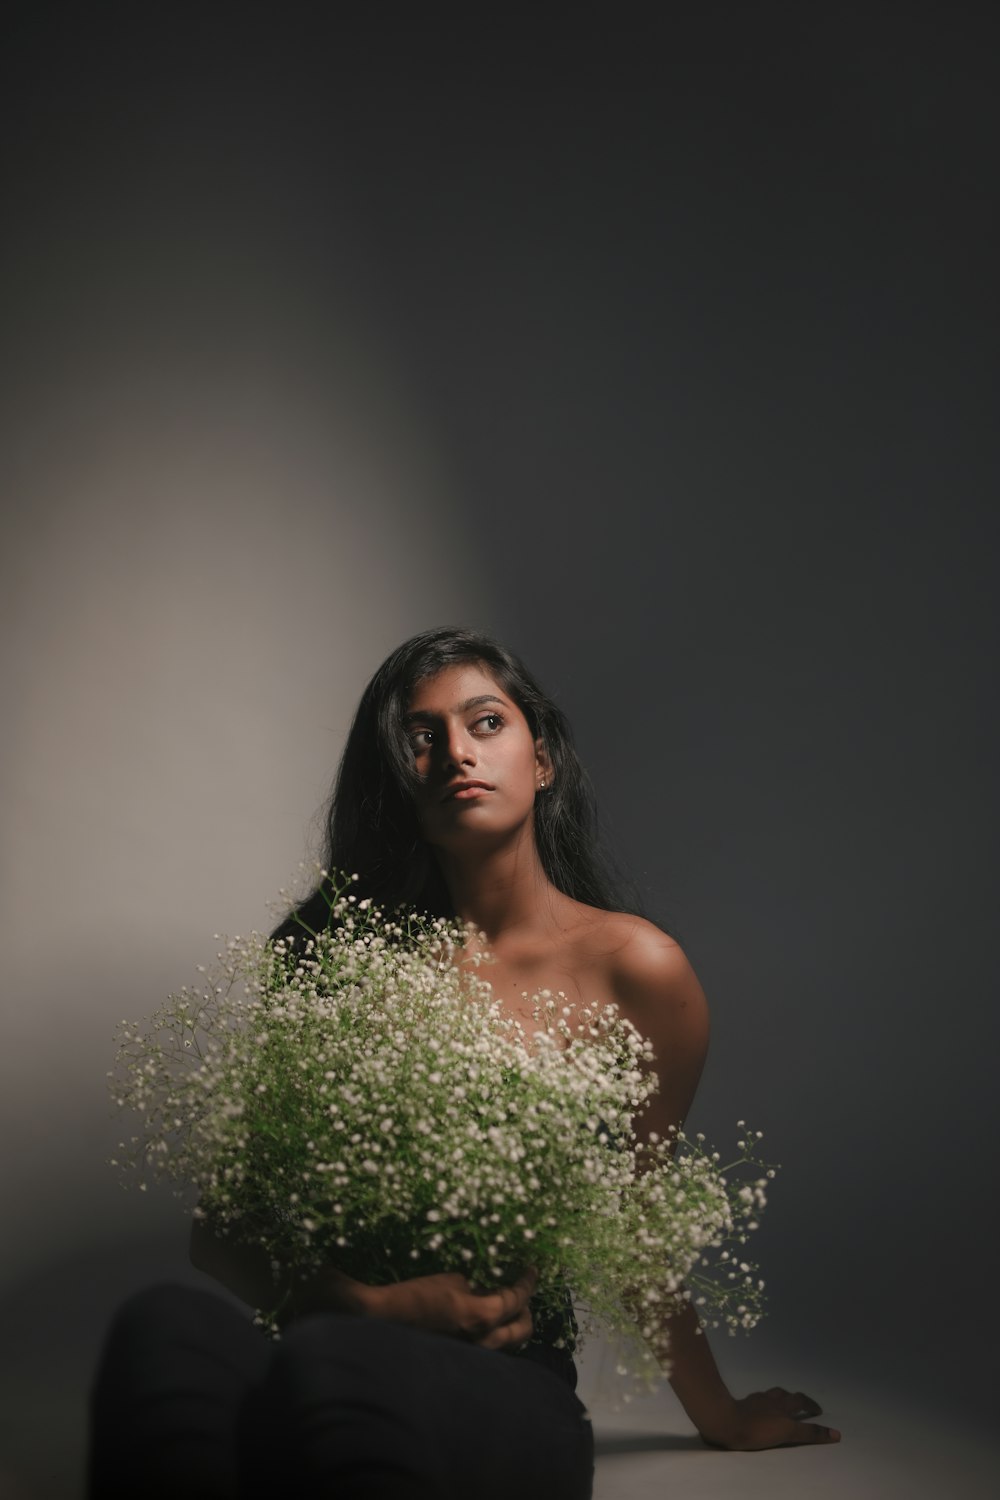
(191, 1400)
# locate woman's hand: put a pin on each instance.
(770, 1419)
(445, 1303)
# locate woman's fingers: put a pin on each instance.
(513, 1325)
(794, 1403)
(510, 1335)
(445, 1303)
(775, 1433)
(810, 1432)
(490, 1316)
(508, 1303)
(771, 1419)
(524, 1286)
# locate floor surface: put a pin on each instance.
(891, 1449)
(894, 1447)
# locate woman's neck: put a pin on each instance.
(500, 891)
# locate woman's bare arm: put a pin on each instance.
(246, 1270)
(660, 994)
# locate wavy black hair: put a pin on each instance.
(371, 822)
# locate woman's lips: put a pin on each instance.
(465, 791)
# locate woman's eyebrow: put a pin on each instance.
(461, 708)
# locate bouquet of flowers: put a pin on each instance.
(358, 1098)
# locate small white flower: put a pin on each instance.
(392, 1074)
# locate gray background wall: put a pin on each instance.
(705, 299)
(661, 342)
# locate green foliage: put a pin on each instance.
(360, 1098)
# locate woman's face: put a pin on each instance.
(479, 765)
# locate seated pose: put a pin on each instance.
(459, 793)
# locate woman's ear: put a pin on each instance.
(543, 764)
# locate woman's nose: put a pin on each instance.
(459, 749)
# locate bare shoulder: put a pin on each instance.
(641, 966)
(635, 950)
(650, 976)
(639, 945)
(647, 974)
(655, 986)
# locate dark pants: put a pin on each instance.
(191, 1401)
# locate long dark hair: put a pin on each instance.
(371, 823)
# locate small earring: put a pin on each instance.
(541, 786)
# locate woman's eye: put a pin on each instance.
(492, 723)
(421, 739)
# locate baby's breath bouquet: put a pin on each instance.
(358, 1098)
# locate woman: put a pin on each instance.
(459, 793)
